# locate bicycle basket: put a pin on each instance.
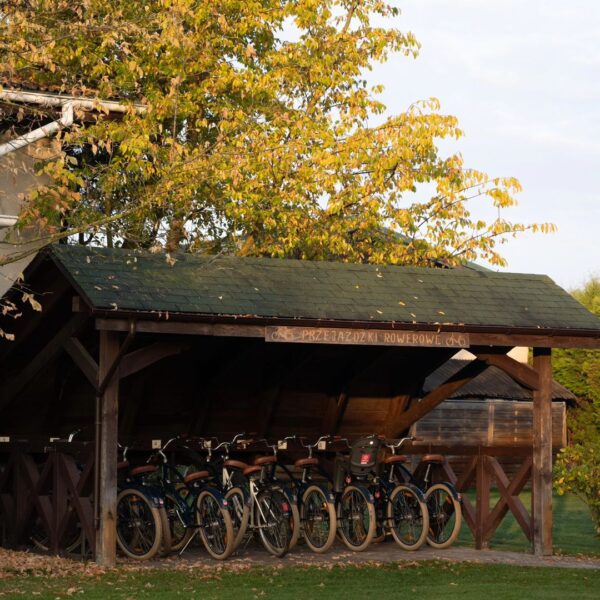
(363, 457)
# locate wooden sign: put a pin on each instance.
(365, 337)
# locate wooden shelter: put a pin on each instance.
(145, 347)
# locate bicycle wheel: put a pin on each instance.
(239, 512)
(294, 523)
(166, 544)
(180, 534)
(356, 518)
(318, 519)
(40, 540)
(408, 518)
(215, 526)
(445, 516)
(272, 516)
(139, 525)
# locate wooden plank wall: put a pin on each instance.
(489, 422)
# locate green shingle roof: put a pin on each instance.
(127, 280)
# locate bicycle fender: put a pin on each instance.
(455, 493)
(417, 490)
(326, 491)
(217, 495)
(153, 493)
(365, 490)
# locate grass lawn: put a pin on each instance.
(424, 580)
(573, 531)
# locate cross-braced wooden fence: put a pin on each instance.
(50, 494)
(47, 496)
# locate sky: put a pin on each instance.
(523, 78)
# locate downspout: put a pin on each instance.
(44, 131)
(68, 104)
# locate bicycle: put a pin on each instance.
(406, 511)
(317, 511)
(356, 516)
(142, 523)
(194, 504)
(268, 512)
(442, 499)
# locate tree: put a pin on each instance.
(577, 467)
(258, 136)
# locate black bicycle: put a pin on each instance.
(442, 499)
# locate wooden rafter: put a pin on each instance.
(82, 358)
(48, 352)
(518, 371)
(435, 397)
(144, 357)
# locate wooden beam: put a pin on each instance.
(398, 404)
(476, 338)
(435, 397)
(144, 357)
(482, 506)
(535, 341)
(541, 474)
(518, 371)
(106, 539)
(81, 357)
(509, 496)
(15, 385)
(183, 328)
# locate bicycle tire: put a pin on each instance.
(140, 545)
(272, 508)
(405, 507)
(166, 544)
(216, 530)
(180, 534)
(438, 516)
(239, 511)
(294, 523)
(318, 543)
(353, 531)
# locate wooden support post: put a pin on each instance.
(542, 454)
(482, 507)
(106, 538)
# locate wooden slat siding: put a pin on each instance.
(487, 422)
(106, 538)
(542, 455)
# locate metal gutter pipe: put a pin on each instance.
(44, 131)
(68, 105)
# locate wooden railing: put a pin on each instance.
(481, 471)
(51, 491)
(53, 485)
